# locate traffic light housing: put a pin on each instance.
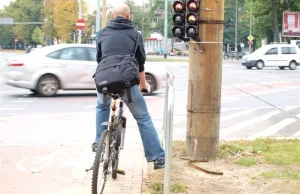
(186, 19)
(178, 29)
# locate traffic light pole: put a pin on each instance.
(79, 17)
(204, 82)
(103, 18)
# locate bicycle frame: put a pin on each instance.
(118, 117)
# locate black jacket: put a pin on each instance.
(118, 38)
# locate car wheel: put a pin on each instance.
(48, 85)
(34, 91)
(260, 64)
(281, 67)
(293, 65)
(249, 67)
(152, 82)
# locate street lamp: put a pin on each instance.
(166, 28)
(98, 22)
(250, 49)
(236, 27)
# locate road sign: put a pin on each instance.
(80, 24)
(6, 20)
(250, 37)
(16, 40)
(242, 45)
(250, 42)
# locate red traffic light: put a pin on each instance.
(192, 18)
(179, 6)
(193, 5)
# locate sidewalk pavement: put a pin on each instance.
(49, 154)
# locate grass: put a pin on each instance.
(281, 152)
(158, 188)
(282, 174)
(248, 161)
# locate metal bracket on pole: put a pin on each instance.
(211, 21)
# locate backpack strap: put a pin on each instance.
(128, 91)
(136, 45)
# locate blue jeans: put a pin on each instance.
(138, 108)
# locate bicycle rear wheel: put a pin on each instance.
(101, 173)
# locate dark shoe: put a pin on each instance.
(159, 163)
(94, 146)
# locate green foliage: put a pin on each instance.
(140, 19)
(156, 13)
(25, 11)
(38, 36)
(6, 34)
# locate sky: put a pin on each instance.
(113, 2)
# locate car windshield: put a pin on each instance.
(261, 49)
(45, 50)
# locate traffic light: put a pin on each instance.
(192, 19)
(186, 19)
(178, 29)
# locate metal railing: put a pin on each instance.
(168, 129)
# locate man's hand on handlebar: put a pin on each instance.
(144, 88)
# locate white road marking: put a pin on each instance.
(19, 105)
(8, 109)
(247, 123)
(22, 101)
(241, 113)
(14, 92)
(91, 106)
(27, 98)
(272, 129)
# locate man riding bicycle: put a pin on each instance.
(111, 42)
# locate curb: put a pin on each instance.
(14, 51)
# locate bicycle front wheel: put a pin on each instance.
(115, 159)
(101, 172)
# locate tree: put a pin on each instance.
(275, 21)
(61, 15)
(140, 20)
(6, 33)
(156, 12)
(38, 36)
(25, 11)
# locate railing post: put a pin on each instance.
(168, 130)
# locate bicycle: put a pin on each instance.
(110, 145)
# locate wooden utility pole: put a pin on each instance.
(103, 17)
(204, 86)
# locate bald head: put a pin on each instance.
(122, 10)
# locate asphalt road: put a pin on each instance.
(254, 102)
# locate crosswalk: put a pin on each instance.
(249, 123)
(15, 107)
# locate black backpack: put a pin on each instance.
(116, 73)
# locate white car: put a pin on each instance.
(65, 67)
(273, 55)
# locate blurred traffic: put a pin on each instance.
(65, 67)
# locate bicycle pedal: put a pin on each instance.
(87, 170)
(122, 172)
